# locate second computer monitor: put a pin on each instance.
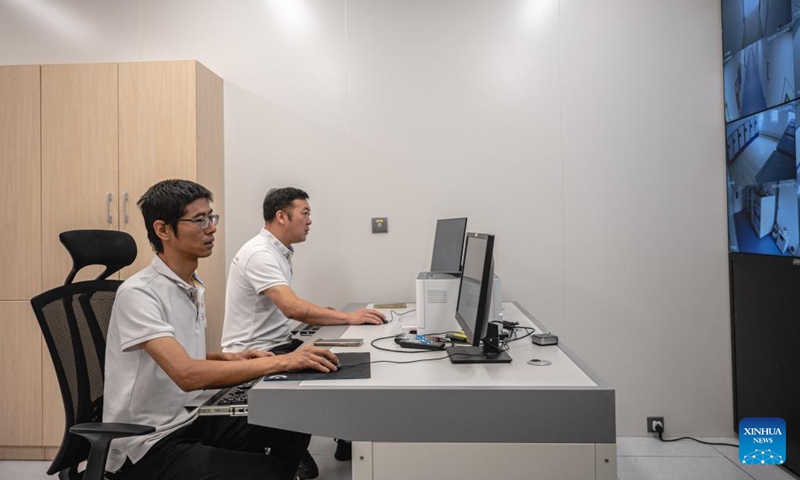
(448, 245)
(474, 298)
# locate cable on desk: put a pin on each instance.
(515, 338)
(513, 326)
(411, 351)
(393, 313)
(415, 361)
(406, 350)
(501, 345)
(400, 363)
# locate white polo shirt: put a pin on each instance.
(153, 303)
(252, 320)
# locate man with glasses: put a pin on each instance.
(156, 360)
(259, 298)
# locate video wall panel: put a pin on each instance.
(761, 76)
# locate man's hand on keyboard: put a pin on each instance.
(309, 356)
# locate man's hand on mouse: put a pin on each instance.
(309, 356)
(366, 315)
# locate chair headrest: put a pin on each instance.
(110, 248)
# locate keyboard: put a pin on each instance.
(237, 395)
(230, 401)
(304, 330)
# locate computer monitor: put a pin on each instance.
(472, 309)
(448, 245)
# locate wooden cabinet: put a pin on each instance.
(20, 183)
(82, 143)
(79, 159)
(21, 394)
(20, 262)
(170, 126)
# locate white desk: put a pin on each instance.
(439, 420)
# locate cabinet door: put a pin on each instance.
(79, 159)
(20, 182)
(211, 174)
(157, 137)
(21, 376)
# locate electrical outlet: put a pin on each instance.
(380, 225)
(652, 422)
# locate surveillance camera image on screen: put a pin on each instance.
(761, 71)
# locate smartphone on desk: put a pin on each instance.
(338, 342)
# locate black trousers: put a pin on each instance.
(221, 448)
(288, 348)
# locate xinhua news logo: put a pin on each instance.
(762, 441)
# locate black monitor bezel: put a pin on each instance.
(482, 316)
(463, 244)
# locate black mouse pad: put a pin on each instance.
(354, 365)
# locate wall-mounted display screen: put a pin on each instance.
(761, 68)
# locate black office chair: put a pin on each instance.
(74, 321)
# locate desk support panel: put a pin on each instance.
(441, 415)
(401, 461)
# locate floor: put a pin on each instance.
(747, 239)
(744, 169)
(638, 458)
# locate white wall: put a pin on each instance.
(588, 136)
(644, 206)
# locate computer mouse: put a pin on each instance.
(338, 365)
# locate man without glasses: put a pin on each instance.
(259, 297)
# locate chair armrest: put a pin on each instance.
(99, 436)
(112, 430)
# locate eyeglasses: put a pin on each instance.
(204, 222)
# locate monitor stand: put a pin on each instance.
(475, 355)
(490, 352)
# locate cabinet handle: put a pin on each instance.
(125, 207)
(109, 197)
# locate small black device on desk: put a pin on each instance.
(423, 342)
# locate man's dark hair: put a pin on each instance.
(279, 199)
(167, 201)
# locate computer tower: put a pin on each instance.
(437, 300)
(437, 297)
